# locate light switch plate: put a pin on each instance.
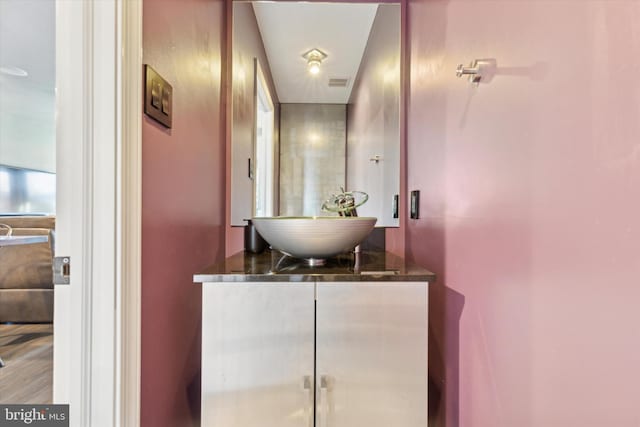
(158, 97)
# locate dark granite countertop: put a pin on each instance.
(274, 266)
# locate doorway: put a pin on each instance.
(27, 199)
(264, 146)
(97, 105)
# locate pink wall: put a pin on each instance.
(530, 208)
(183, 172)
(373, 120)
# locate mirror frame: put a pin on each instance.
(395, 237)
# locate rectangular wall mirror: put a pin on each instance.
(316, 94)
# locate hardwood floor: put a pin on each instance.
(27, 351)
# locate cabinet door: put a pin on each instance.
(371, 354)
(257, 354)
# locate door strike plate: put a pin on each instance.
(61, 270)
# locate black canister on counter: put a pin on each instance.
(253, 241)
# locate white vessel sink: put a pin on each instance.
(314, 238)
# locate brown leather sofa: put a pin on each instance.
(26, 274)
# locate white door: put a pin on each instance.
(263, 146)
(97, 105)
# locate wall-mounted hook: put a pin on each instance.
(477, 70)
(472, 71)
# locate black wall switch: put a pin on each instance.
(395, 206)
(415, 204)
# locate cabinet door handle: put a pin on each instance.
(307, 386)
(323, 400)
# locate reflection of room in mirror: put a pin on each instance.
(373, 126)
(312, 153)
(359, 76)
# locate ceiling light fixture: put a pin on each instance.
(314, 66)
(314, 58)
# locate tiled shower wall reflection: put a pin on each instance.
(312, 156)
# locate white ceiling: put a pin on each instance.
(27, 39)
(27, 104)
(290, 29)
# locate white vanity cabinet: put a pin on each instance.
(314, 353)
